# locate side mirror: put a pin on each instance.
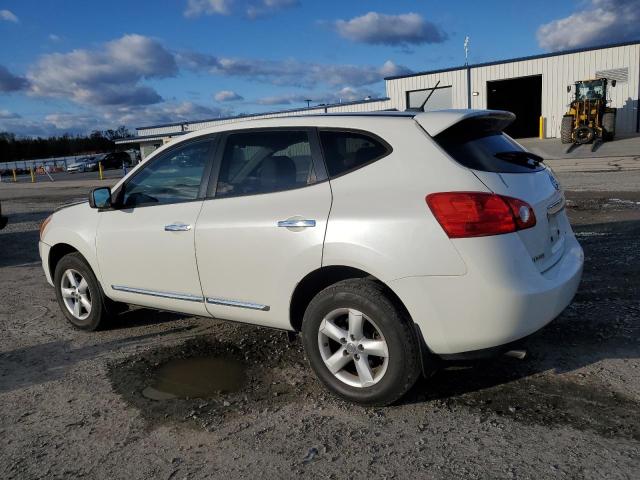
(568, 88)
(100, 197)
(613, 83)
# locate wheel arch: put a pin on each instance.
(319, 279)
(58, 251)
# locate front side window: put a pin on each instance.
(265, 161)
(173, 177)
(346, 151)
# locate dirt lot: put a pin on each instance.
(71, 404)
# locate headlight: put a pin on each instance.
(44, 224)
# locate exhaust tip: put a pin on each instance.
(519, 354)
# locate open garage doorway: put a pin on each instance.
(522, 96)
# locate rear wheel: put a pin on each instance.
(79, 294)
(609, 125)
(566, 129)
(360, 344)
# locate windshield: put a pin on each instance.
(589, 91)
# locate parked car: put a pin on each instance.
(3, 219)
(80, 165)
(115, 160)
(391, 241)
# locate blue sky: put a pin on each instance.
(80, 65)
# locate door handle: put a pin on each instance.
(177, 227)
(296, 223)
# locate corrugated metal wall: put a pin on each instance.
(397, 89)
(557, 72)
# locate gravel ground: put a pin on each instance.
(71, 403)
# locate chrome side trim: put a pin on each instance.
(236, 303)
(153, 293)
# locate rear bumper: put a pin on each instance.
(501, 299)
(43, 248)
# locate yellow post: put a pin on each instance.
(33, 177)
(15, 179)
(541, 127)
(100, 169)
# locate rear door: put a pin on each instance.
(262, 228)
(505, 168)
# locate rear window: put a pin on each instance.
(479, 144)
(345, 151)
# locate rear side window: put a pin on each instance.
(265, 161)
(345, 151)
(479, 144)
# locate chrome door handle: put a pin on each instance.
(177, 227)
(296, 223)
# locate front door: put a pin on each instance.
(264, 229)
(146, 248)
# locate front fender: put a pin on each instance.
(75, 226)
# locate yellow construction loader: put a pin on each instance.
(589, 118)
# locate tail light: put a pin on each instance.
(479, 214)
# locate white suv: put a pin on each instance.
(388, 240)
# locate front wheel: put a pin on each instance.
(360, 343)
(78, 293)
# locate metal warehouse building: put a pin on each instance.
(531, 87)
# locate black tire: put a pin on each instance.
(370, 298)
(609, 126)
(566, 129)
(99, 315)
(584, 135)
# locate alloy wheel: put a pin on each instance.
(353, 347)
(76, 294)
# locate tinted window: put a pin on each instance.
(173, 177)
(478, 144)
(345, 151)
(263, 162)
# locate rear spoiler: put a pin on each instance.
(437, 122)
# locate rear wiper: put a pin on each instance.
(521, 158)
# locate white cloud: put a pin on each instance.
(54, 38)
(197, 8)
(110, 75)
(345, 94)
(227, 96)
(10, 82)
(6, 114)
(597, 22)
(381, 29)
(267, 7)
(290, 72)
(8, 16)
(168, 112)
(287, 99)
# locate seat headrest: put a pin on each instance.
(277, 173)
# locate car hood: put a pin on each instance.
(72, 203)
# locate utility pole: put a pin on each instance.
(308, 100)
(466, 50)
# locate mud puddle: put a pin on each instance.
(199, 377)
(207, 381)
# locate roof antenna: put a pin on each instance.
(421, 109)
(466, 50)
